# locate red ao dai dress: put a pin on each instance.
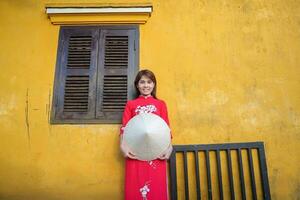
(145, 180)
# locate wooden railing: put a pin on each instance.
(219, 171)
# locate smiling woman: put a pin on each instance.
(145, 83)
(145, 179)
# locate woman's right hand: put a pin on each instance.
(125, 150)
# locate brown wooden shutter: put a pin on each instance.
(117, 65)
(94, 73)
(75, 86)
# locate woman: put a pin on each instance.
(145, 180)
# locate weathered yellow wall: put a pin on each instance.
(229, 71)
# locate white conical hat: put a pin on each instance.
(147, 136)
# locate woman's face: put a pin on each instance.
(145, 86)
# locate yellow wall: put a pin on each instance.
(229, 71)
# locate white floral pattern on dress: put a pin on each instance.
(152, 164)
(145, 109)
(144, 191)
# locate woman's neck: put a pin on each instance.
(145, 96)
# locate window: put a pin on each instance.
(95, 69)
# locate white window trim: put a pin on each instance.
(98, 15)
(98, 10)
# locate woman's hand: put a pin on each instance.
(166, 154)
(125, 149)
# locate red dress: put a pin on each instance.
(145, 180)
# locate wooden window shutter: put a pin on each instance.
(94, 76)
(117, 69)
(76, 75)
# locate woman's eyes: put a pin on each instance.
(143, 82)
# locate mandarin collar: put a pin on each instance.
(143, 97)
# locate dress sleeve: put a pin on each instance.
(164, 114)
(126, 117)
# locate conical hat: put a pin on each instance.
(147, 136)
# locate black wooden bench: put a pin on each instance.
(219, 171)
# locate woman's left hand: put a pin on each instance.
(166, 154)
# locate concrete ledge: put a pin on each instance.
(98, 15)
